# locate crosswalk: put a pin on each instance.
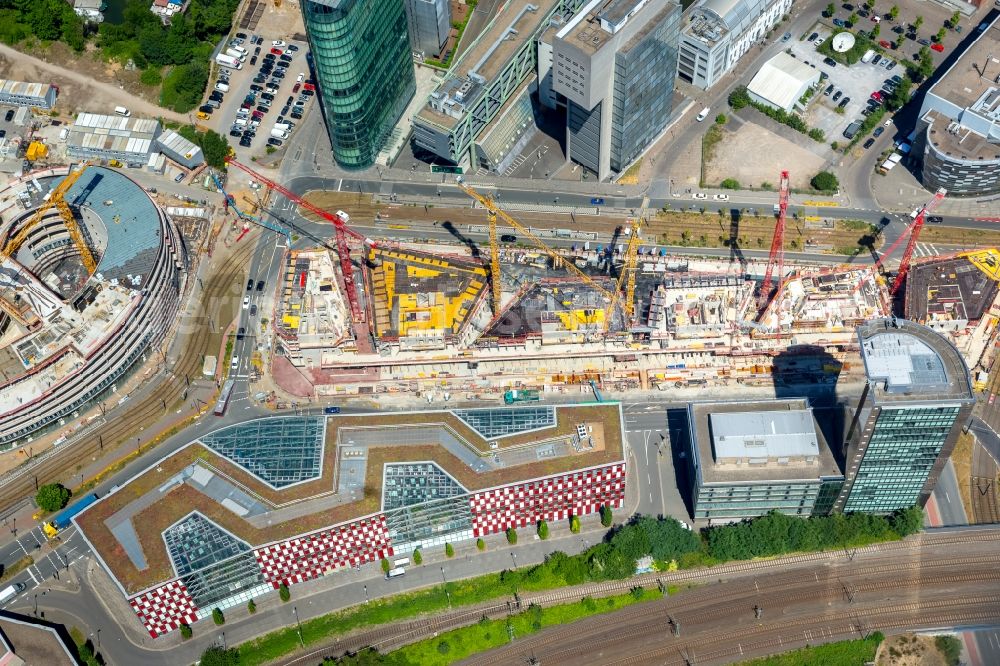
(925, 250)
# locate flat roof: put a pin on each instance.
(788, 414)
(94, 131)
(957, 288)
(965, 144)
(905, 361)
(975, 70)
(24, 88)
(764, 434)
(780, 79)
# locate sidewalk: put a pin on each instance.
(900, 190)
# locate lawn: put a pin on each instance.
(842, 653)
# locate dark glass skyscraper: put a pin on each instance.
(364, 67)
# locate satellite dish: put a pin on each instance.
(843, 42)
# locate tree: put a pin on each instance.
(543, 530)
(385, 565)
(449, 550)
(950, 648)
(939, 37)
(186, 632)
(816, 134)
(739, 98)
(606, 516)
(218, 617)
(215, 148)
(284, 593)
(870, 4)
(894, 13)
(417, 557)
(830, 10)
(875, 31)
(480, 544)
(251, 607)
(919, 21)
(574, 524)
(852, 19)
(720, 119)
(217, 656)
(900, 95)
(955, 18)
(511, 536)
(926, 66)
(52, 496)
(907, 521)
(730, 184)
(825, 181)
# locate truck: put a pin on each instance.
(284, 127)
(210, 366)
(64, 518)
(236, 54)
(10, 592)
(228, 61)
(520, 395)
(887, 166)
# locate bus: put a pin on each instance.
(223, 401)
(398, 571)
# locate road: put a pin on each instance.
(935, 580)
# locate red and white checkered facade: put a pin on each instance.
(165, 608)
(551, 498)
(315, 554)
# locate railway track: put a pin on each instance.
(983, 487)
(218, 301)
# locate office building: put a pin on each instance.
(364, 67)
(615, 63)
(717, 33)
(429, 22)
(19, 93)
(96, 136)
(749, 458)
(916, 400)
(958, 130)
(468, 119)
(782, 81)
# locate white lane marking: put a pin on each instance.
(33, 575)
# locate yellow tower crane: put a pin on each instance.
(627, 275)
(557, 259)
(56, 200)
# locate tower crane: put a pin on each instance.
(342, 231)
(914, 230)
(57, 200)
(777, 255)
(229, 202)
(627, 276)
(558, 260)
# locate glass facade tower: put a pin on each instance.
(918, 396)
(364, 67)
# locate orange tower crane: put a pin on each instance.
(342, 231)
(777, 256)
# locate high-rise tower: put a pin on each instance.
(364, 67)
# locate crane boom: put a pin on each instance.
(339, 221)
(494, 264)
(915, 227)
(557, 258)
(777, 255)
(627, 276)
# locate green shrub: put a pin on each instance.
(217, 656)
(730, 184)
(574, 524)
(720, 119)
(511, 536)
(218, 617)
(186, 632)
(444, 647)
(385, 566)
(251, 607)
(606, 515)
(739, 98)
(151, 77)
(543, 530)
(816, 134)
(449, 550)
(825, 181)
(417, 557)
(950, 648)
(284, 593)
(480, 544)
(52, 496)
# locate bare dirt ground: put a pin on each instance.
(85, 83)
(909, 650)
(753, 155)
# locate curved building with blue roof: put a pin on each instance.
(67, 337)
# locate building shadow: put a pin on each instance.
(809, 371)
(679, 429)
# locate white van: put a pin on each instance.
(240, 49)
(398, 571)
(122, 111)
(704, 114)
(222, 87)
(10, 592)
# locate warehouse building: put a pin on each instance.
(749, 458)
(180, 150)
(96, 136)
(782, 81)
(19, 93)
(958, 130)
(720, 32)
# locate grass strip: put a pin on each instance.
(841, 653)
(16, 568)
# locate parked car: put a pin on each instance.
(878, 131)
(508, 238)
(844, 102)
(924, 42)
(296, 87)
(937, 47)
(253, 60)
(813, 36)
(876, 59)
(896, 78)
(274, 142)
(837, 95)
(892, 63)
(885, 44)
(839, 23)
(829, 90)
(934, 219)
(235, 133)
(260, 285)
(877, 96)
(308, 85)
(285, 57)
(308, 93)
(818, 41)
(869, 143)
(830, 61)
(205, 108)
(278, 42)
(862, 13)
(785, 37)
(276, 52)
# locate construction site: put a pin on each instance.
(552, 315)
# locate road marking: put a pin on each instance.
(33, 575)
(19, 543)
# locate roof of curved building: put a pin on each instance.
(132, 221)
(736, 14)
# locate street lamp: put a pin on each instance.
(366, 594)
(513, 557)
(298, 625)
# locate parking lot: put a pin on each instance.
(856, 83)
(273, 86)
